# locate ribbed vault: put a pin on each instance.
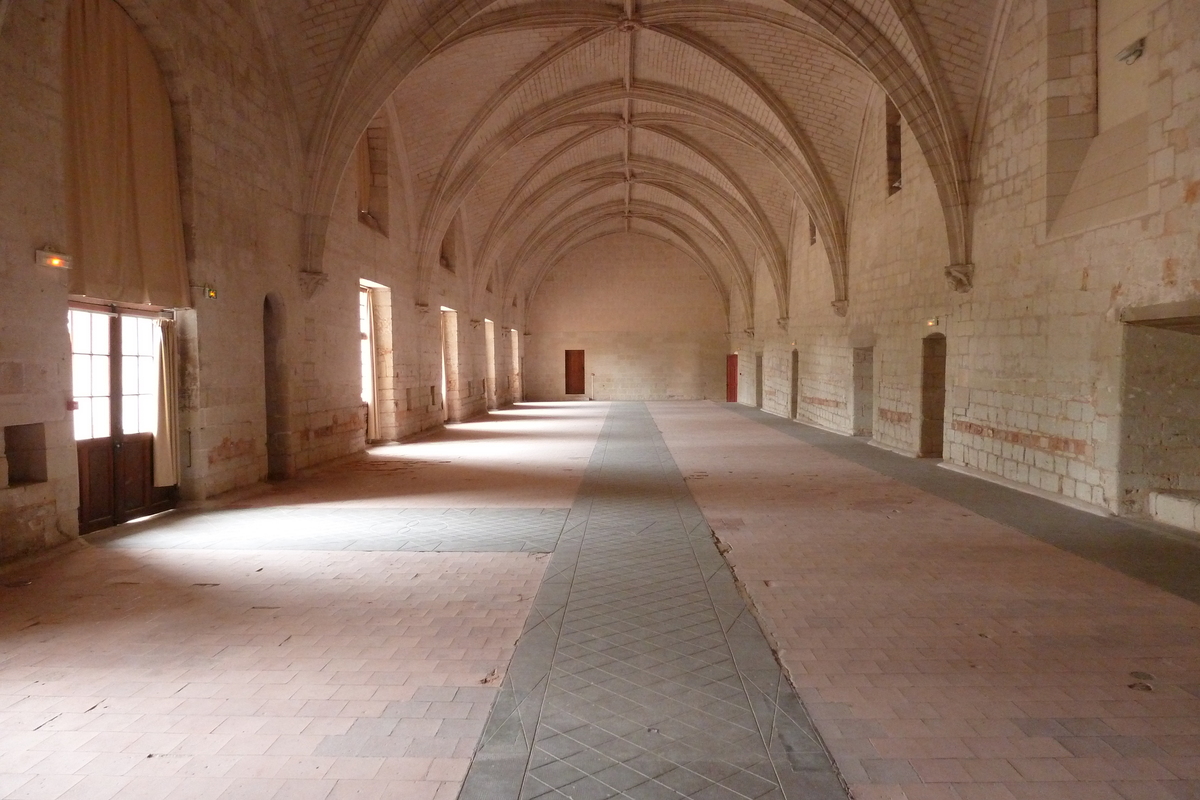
(712, 126)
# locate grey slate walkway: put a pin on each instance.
(641, 673)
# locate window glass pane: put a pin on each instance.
(129, 415)
(81, 332)
(99, 333)
(101, 423)
(100, 376)
(148, 376)
(81, 376)
(145, 337)
(148, 413)
(128, 336)
(83, 418)
(129, 375)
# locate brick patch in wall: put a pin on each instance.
(228, 450)
(352, 424)
(821, 401)
(895, 417)
(1037, 441)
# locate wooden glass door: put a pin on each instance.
(115, 378)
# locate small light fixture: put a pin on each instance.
(48, 258)
(933, 323)
(210, 292)
(1133, 52)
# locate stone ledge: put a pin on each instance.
(1181, 509)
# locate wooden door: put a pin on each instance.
(112, 361)
(731, 378)
(576, 383)
(933, 395)
(97, 477)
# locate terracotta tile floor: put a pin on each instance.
(943, 655)
(138, 668)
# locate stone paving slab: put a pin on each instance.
(942, 654)
(640, 673)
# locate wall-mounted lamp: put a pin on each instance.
(208, 291)
(49, 258)
(936, 322)
(1133, 52)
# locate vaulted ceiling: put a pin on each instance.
(714, 126)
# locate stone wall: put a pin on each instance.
(35, 367)
(649, 321)
(1035, 348)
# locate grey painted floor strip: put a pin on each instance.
(1146, 551)
(640, 673)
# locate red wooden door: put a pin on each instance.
(575, 377)
(731, 378)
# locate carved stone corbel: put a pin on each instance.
(311, 282)
(783, 323)
(841, 307)
(749, 332)
(961, 277)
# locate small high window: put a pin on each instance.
(448, 257)
(895, 178)
(371, 163)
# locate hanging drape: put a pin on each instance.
(123, 204)
(166, 436)
(362, 162)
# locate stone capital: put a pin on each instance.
(961, 277)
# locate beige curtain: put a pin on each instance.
(362, 161)
(123, 204)
(166, 437)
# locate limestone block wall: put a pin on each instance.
(650, 323)
(1037, 398)
(35, 374)
(1035, 348)
(897, 252)
(356, 251)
